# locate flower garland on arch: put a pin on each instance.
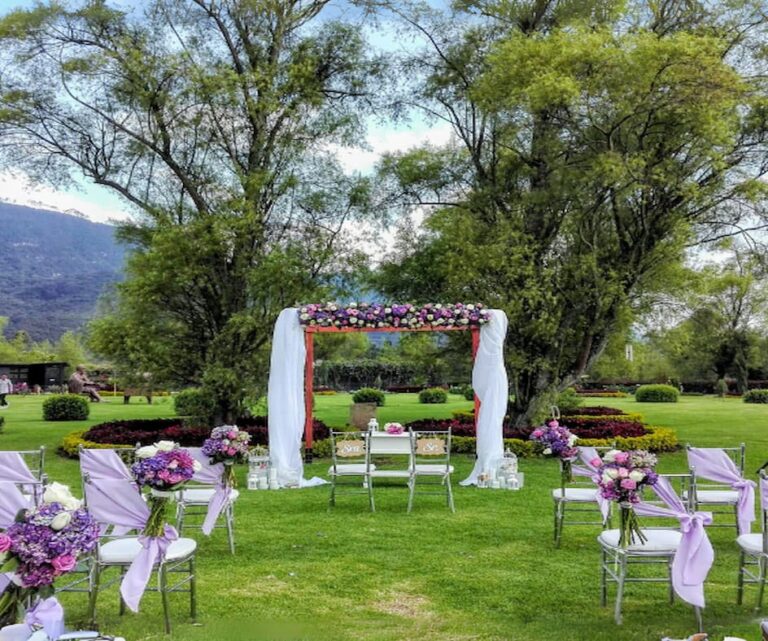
(402, 316)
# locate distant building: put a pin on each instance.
(42, 374)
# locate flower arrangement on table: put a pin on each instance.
(163, 468)
(558, 442)
(43, 544)
(227, 444)
(378, 315)
(393, 428)
(621, 477)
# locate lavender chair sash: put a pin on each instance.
(48, 615)
(116, 502)
(12, 501)
(715, 465)
(13, 468)
(694, 556)
(763, 493)
(211, 474)
(103, 464)
(587, 455)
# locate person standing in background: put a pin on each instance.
(6, 387)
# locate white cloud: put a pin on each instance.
(94, 203)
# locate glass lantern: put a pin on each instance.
(258, 469)
(510, 477)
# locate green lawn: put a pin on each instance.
(487, 572)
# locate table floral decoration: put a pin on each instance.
(227, 444)
(621, 477)
(42, 545)
(164, 468)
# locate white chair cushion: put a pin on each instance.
(751, 543)
(391, 474)
(658, 540)
(576, 494)
(352, 469)
(126, 550)
(730, 497)
(203, 495)
(432, 469)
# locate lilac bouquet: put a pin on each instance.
(42, 545)
(362, 315)
(164, 468)
(621, 477)
(227, 444)
(558, 442)
(394, 428)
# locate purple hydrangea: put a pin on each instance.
(227, 443)
(556, 440)
(164, 470)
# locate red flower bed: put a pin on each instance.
(593, 410)
(171, 429)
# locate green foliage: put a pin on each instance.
(568, 400)
(721, 388)
(469, 393)
(71, 443)
(66, 407)
(2, 423)
(756, 396)
(369, 395)
(657, 394)
(433, 395)
(198, 406)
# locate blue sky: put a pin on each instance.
(102, 204)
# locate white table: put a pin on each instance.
(383, 443)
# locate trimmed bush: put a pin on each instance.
(656, 394)
(2, 422)
(128, 433)
(66, 407)
(196, 405)
(433, 396)
(369, 395)
(601, 393)
(70, 444)
(593, 410)
(756, 396)
(469, 393)
(568, 400)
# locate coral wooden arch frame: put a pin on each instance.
(309, 369)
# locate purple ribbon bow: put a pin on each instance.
(694, 556)
(211, 474)
(587, 455)
(715, 465)
(154, 549)
(48, 615)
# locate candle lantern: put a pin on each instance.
(258, 469)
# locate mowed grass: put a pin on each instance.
(487, 572)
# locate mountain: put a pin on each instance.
(53, 268)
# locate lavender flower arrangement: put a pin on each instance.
(42, 545)
(377, 315)
(229, 445)
(558, 442)
(621, 477)
(163, 467)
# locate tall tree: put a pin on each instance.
(215, 119)
(593, 142)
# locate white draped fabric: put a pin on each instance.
(489, 380)
(285, 399)
(285, 396)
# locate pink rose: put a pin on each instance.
(623, 472)
(628, 484)
(537, 433)
(64, 563)
(553, 424)
(596, 462)
(621, 458)
(5, 543)
(231, 434)
(231, 451)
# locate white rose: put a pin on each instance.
(547, 451)
(612, 473)
(610, 456)
(225, 441)
(606, 478)
(572, 439)
(196, 466)
(57, 493)
(61, 520)
(72, 504)
(165, 446)
(148, 451)
(636, 475)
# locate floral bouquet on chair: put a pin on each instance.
(164, 468)
(558, 442)
(394, 428)
(43, 544)
(621, 477)
(227, 444)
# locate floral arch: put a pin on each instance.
(292, 368)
